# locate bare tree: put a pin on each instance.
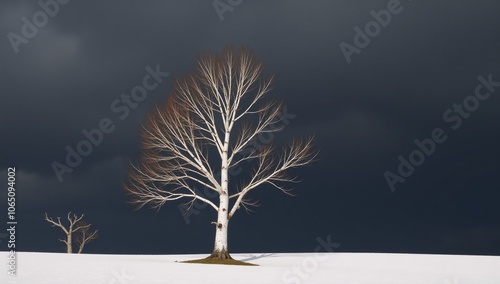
(216, 110)
(74, 226)
(84, 235)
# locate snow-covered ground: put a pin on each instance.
(342, 268)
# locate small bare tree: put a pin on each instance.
(201, 116)
(75, 225)
(84, 235)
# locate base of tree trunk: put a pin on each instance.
(209, 260)
(220, 254)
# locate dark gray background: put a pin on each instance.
(365, 114)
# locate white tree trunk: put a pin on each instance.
(68, 243)
(221, 249)
(221, 245)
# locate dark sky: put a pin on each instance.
(365, 114)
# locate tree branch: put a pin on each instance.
(198, 119)
(272, 170)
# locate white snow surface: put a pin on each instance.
(332, 268)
